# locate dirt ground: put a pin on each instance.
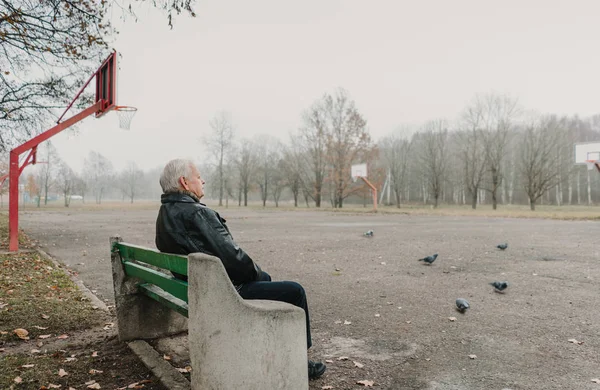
(374, 303)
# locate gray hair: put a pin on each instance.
(169, 179)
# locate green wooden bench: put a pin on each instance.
(233, 343)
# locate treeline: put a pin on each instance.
(494, 153)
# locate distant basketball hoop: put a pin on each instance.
(126, 114)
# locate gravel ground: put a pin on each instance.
(398, 309)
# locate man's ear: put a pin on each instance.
(183, 184)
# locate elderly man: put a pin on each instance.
(184, 226)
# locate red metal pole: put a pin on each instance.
(15, 170)
(373, 191)
(13, 202)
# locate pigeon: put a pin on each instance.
(499, 286)
(368, 233)
(462, 305)
(429, 259)
(502, 246)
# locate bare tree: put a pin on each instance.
(268, 154)
(495, 115)
(278, 181)
(130, 180)
(348, 141)
(291, 165)
(48, 169)
(246, 163)
(99, 173)
(472, 151)
(220, 144)
(537, 162)
(432, 158)
(313, 138)
(49, 48)
(65, 181)
(395, 150)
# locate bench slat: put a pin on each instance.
(171, 262)
(173, 286)
(164, 298)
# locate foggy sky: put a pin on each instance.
(266, 61)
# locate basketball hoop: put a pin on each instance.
(591, 164)
(126, 114)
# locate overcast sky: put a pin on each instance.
(265, 61)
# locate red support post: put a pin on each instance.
(373, 191)
(15, 170)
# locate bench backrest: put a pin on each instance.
(157, 284)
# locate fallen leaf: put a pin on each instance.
(596, 380)
(452, 319)
(338, 322)
(40, 327)
(62, 373)
(62, 337)
(44, 316)
(383, 263)
(95, 354)
(3, 332)
(18, 380)
(357, 364)
(575, 341)
(94, 386)
(365, 383)
(70, 388)
(44, 336)
(94, 371)
(328, 361)
(39, 344)
(90, 382)
(472, 356)
(35, 351)
(53, 386)
(408, 322)
(21, 333)
(427, 359)
(343, 358)
(377, 315)
(347, 322)
(185, 369)
(27, 365)
(108, 325)
(70, 359)
(166, 357)
(326, 387)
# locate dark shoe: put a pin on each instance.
(315, 369)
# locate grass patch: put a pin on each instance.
(35, 293)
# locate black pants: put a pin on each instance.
(290, 292)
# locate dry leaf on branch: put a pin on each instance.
(575, 341)
(357, 364)
(365, 383)
(21, 333)
(62, 373)
(472, 356)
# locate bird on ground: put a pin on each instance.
(499, 286)
(429, 259)
(368, 233)
(462, 305)
(502, 246)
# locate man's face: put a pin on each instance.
(194, 183)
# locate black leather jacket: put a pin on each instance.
(184, 226)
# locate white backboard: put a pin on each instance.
(585, 151)
(359, 170)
